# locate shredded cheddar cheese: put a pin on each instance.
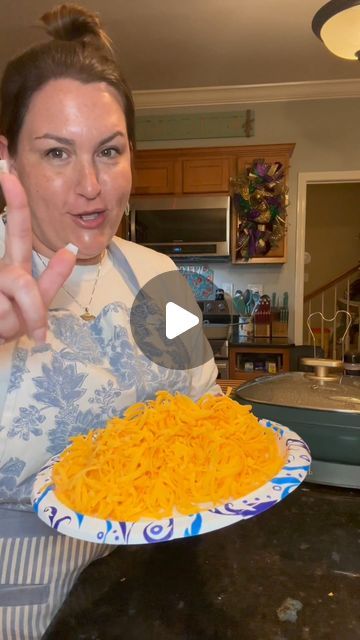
(166, 456)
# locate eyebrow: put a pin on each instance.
(61, 140)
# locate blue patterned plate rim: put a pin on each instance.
(68, 522)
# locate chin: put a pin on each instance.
(91, 257)
(92, 250)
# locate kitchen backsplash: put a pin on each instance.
(257, 311)
(266, 279)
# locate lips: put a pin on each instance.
(89, 219)
(93, 212)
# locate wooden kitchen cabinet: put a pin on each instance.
(206, 170)
(183, 171)
(206, 175)
(260, 356)
(270, 153)
(154, 176)
(198, 170)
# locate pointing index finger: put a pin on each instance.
(18, 227)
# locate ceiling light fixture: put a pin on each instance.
(337, 24)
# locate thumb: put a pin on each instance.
(57, 272)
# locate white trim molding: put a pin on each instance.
(245, 94)
(319, 177)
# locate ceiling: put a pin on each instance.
(172, 44)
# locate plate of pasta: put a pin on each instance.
(169, 468)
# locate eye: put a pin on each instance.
(110, 152)
(56, 153)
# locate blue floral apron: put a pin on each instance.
(86, 373)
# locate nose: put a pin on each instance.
(87, 179)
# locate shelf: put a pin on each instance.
(254, 361)
(256, 343)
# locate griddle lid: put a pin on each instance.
(300, 390)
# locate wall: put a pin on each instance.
(327, 137)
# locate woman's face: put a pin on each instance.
(73, 159)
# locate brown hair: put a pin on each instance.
(80, 49)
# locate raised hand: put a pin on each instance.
(23, 300)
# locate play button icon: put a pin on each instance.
(166, 323)
(178, 320)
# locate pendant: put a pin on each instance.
(87, 316)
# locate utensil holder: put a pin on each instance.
(246, 327)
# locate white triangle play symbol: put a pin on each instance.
(178, 320)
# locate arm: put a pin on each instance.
(203, 380)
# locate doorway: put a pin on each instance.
(304, 181)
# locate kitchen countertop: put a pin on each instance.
(236, 341)
(291, 573)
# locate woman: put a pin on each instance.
(67, 358)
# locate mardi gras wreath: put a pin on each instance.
(260, 199)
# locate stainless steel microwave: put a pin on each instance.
(184, 227)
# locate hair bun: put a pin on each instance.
(72, 22)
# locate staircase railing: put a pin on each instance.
(328, 299)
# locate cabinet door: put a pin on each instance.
(205, 175)
(153, 176)
(247, 160)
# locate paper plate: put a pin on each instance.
(51, 511)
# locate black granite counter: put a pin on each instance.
(235, 341)
(291, 573)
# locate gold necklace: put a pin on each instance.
(87, 316)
